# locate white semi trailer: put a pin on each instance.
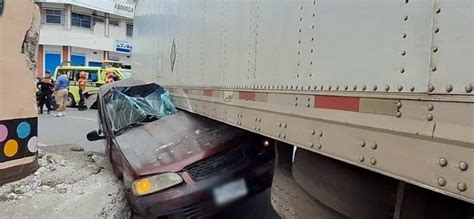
(377, 95)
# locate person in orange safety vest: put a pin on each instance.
(82, 88)
(109, 77)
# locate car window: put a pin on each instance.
(93, 76)
(130, 106)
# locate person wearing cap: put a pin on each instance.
(82, 87)
(45, 86)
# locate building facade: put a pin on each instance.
(84, 32)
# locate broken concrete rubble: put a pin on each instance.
(66, 185)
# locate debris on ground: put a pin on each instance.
(69, 183)
(77, 148)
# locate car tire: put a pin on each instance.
(290, 201)
(53, 104)
(349, 190)
(70, 102)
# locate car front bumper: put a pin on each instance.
(196, 200)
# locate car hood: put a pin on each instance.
(174, 142)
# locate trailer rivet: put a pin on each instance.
(309, 87)
(322, 87)
(346, 87)
(374, 87)
(284, 136)
(402, 70)
(362, 143)
(399, 105)
(431, 88)
(449, 88)
(463, 166)
(441, 181)
(443, 162)
(374, 145)
(354, 87)
(399, 114)
(435, 49)
(337, 87)
(312, 145)
(412, 89)
(329, 88)
(430, 107)
(361, 158)
(364, 87)
(320, 133)
(468, 88)
(373, 161)
(279, 135)
(387, 87)
(320, 146)
(462, 186)
(400, 87)
(429, 117)
(284, 126)
(403, 52)
(313, 132)
(434, 68)
(279, 124)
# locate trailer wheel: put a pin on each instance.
(290, 201)
(350, 190)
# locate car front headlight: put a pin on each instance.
(151, 184)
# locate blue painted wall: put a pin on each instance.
(78, 60)
(52, 60)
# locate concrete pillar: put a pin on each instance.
(106, 25)
(40, 61)
(66, 54)
(106, 55)
(67, 17)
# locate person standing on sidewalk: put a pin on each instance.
(45, 86)
(82, 89)
(61, 93)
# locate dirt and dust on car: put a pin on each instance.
(69, 183)
(174, 163)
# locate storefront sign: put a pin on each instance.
(123, 46)
(123, 8)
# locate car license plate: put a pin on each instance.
(230, 192)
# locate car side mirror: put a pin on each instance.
(95, 135)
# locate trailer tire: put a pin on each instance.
(350, 190)
(290, 201)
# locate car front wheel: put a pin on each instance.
(70, 100)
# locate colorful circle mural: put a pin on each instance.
(18, 139)
(11, 148)
(23, 130)
(3, 132)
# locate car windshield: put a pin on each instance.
(128, 107)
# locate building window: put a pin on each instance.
(80, 20)
(98, 19)
(53, 16)
(129, 29)
(114, 22)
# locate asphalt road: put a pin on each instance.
(72, 129)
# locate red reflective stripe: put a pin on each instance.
(337, 103)
(247, 95)
(208, 93)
